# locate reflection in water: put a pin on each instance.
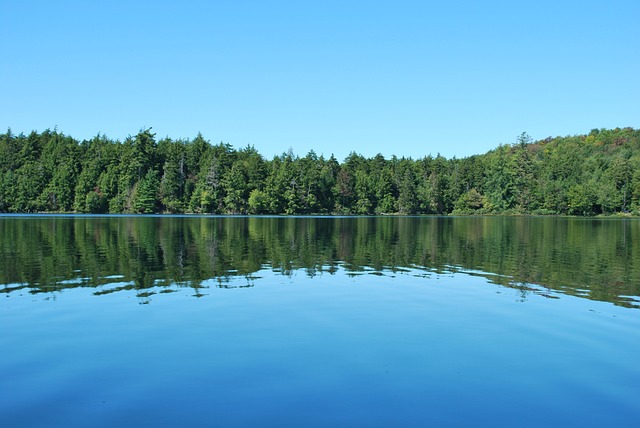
(593, 258)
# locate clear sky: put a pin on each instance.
(409, 78)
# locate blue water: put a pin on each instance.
(408, 348)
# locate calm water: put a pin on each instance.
(218, 321)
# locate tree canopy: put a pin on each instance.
(597, 173)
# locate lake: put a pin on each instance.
(319, 321)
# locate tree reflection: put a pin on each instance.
(593, 258)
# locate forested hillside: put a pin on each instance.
(592, 174)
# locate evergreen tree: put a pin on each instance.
(146, 194)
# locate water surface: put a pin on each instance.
(222, 321)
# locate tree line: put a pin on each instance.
(597, 173)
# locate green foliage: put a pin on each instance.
(96, 202)
(146, 194)
(590, 174)
(407, 201)
(581, 199)
(258, 202)
(469, 202)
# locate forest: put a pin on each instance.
(584, 175)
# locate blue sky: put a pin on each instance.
(409, 78)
